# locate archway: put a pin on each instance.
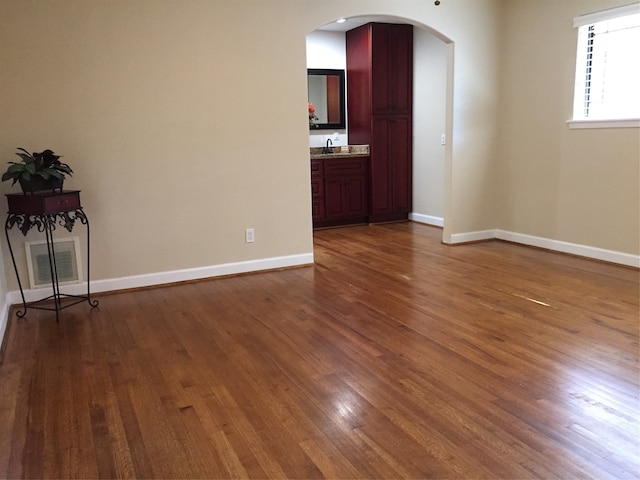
(433, 92)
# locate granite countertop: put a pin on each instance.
(336, 152)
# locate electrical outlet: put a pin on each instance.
(336, 137)
(249, 235)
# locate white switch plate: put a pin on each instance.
(442, 139)
(249, 235)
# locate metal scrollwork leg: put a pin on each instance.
(48, 232)
(11, 220)
(85, 221)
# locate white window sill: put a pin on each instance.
(626, 123)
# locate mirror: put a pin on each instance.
(326, 93)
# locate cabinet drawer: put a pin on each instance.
(345, 166)
(316, 168)
(43, 203)
(317, 209)
(317, 187)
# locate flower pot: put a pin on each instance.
(39, 184)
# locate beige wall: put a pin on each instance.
(578, 186)
(185, 122)
(429, 123)
(183, 125)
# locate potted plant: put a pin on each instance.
(312, 116)
(37, 171)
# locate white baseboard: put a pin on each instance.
(550, 244)
(572, 248)
(153, 279)
(427, 219)
(473, 236)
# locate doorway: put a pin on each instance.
(432, 108)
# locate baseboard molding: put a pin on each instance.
(473, 236)
(550, 244)
(160, 278)
(572, 248)
(427, 219)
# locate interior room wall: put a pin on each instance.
(183, 124)
(577, 186)
(429, 124)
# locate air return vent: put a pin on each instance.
(68, 264)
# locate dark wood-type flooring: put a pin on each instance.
(395, 356)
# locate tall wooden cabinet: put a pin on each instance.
(380, 99)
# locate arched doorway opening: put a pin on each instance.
(432, 109)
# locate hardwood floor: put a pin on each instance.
(393, 357)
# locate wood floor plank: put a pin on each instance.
(393, 356)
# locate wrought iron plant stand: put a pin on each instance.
(45, 211)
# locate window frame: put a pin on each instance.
(590, 19)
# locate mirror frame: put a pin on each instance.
(343, 119)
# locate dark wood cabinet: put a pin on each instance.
(380, 97)
(391, 69)
(391, 173)
(317, 190)
(340, 192)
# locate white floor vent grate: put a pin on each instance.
(68, 264)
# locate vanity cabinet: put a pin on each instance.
(340, 191)
(380, 87)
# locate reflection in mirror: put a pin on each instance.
(326, 93)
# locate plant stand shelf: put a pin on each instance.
(45, 211)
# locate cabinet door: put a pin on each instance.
(346, 192)
(381, 71)
(335, 201)
(391, 173)
(401, 66)
(391, 69)
(355, 194)
(381, 201)
(400, 161)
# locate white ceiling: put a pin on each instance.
(353, 22)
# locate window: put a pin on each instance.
(607, 66)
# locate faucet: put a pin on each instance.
(326, 149)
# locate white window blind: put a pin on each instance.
(608, 65)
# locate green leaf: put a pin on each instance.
(16, 168)
(56, 174)
(63, 167)
(31, 168)
(26, 158)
